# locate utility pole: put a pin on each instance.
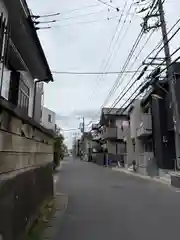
(83, 141)
(83, 126)
(171, 81)
(159, 14)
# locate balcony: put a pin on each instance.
(122, 132)
(109, 133)
(145, 128)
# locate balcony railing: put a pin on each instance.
(122, 132)
(109, 133)
(145, 128)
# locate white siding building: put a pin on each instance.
(19, 68)
(4, 72)
(39, 102)
(48, 118)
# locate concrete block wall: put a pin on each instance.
(21, 145)
(21, 195)
(26, 167)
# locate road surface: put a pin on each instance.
(105, 205)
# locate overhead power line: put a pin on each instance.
(119, 98)
(137, 71)
(143, 71)
(86, 22)
(43, 22)
(87, 15)
(107, 61)
(159, 44)
(45, 16)
(117, 82)
(80, 8)
(42, 28)
(138, 89)
(91, 73)
(80, 15)
(68, 11)
(64, 12)
(114, 35)
(109, 5)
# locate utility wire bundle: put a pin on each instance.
(138, 91)
(126, 89)
(64, 16)
(119, 35)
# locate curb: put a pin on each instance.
(61, 204)
(156, 179)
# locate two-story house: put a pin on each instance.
(151, 140)
(98, 154)
(139, 139)
(48, 118)
(114, 124)
(26, 148)
(18, 66)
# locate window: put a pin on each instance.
(23, 101)
(49, 118)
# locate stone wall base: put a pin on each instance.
(20, 197)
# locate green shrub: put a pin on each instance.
(59, 150)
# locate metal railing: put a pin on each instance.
(145, 127)
(109, 133)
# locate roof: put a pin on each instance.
(25, 38)
(114, 111)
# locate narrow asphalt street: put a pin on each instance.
(105, 205)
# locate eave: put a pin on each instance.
(25, 39)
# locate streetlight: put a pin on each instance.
(46, 80)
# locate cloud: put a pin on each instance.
(64, 118)
(85, 47)
(85, 113)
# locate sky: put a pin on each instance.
(81, 41)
